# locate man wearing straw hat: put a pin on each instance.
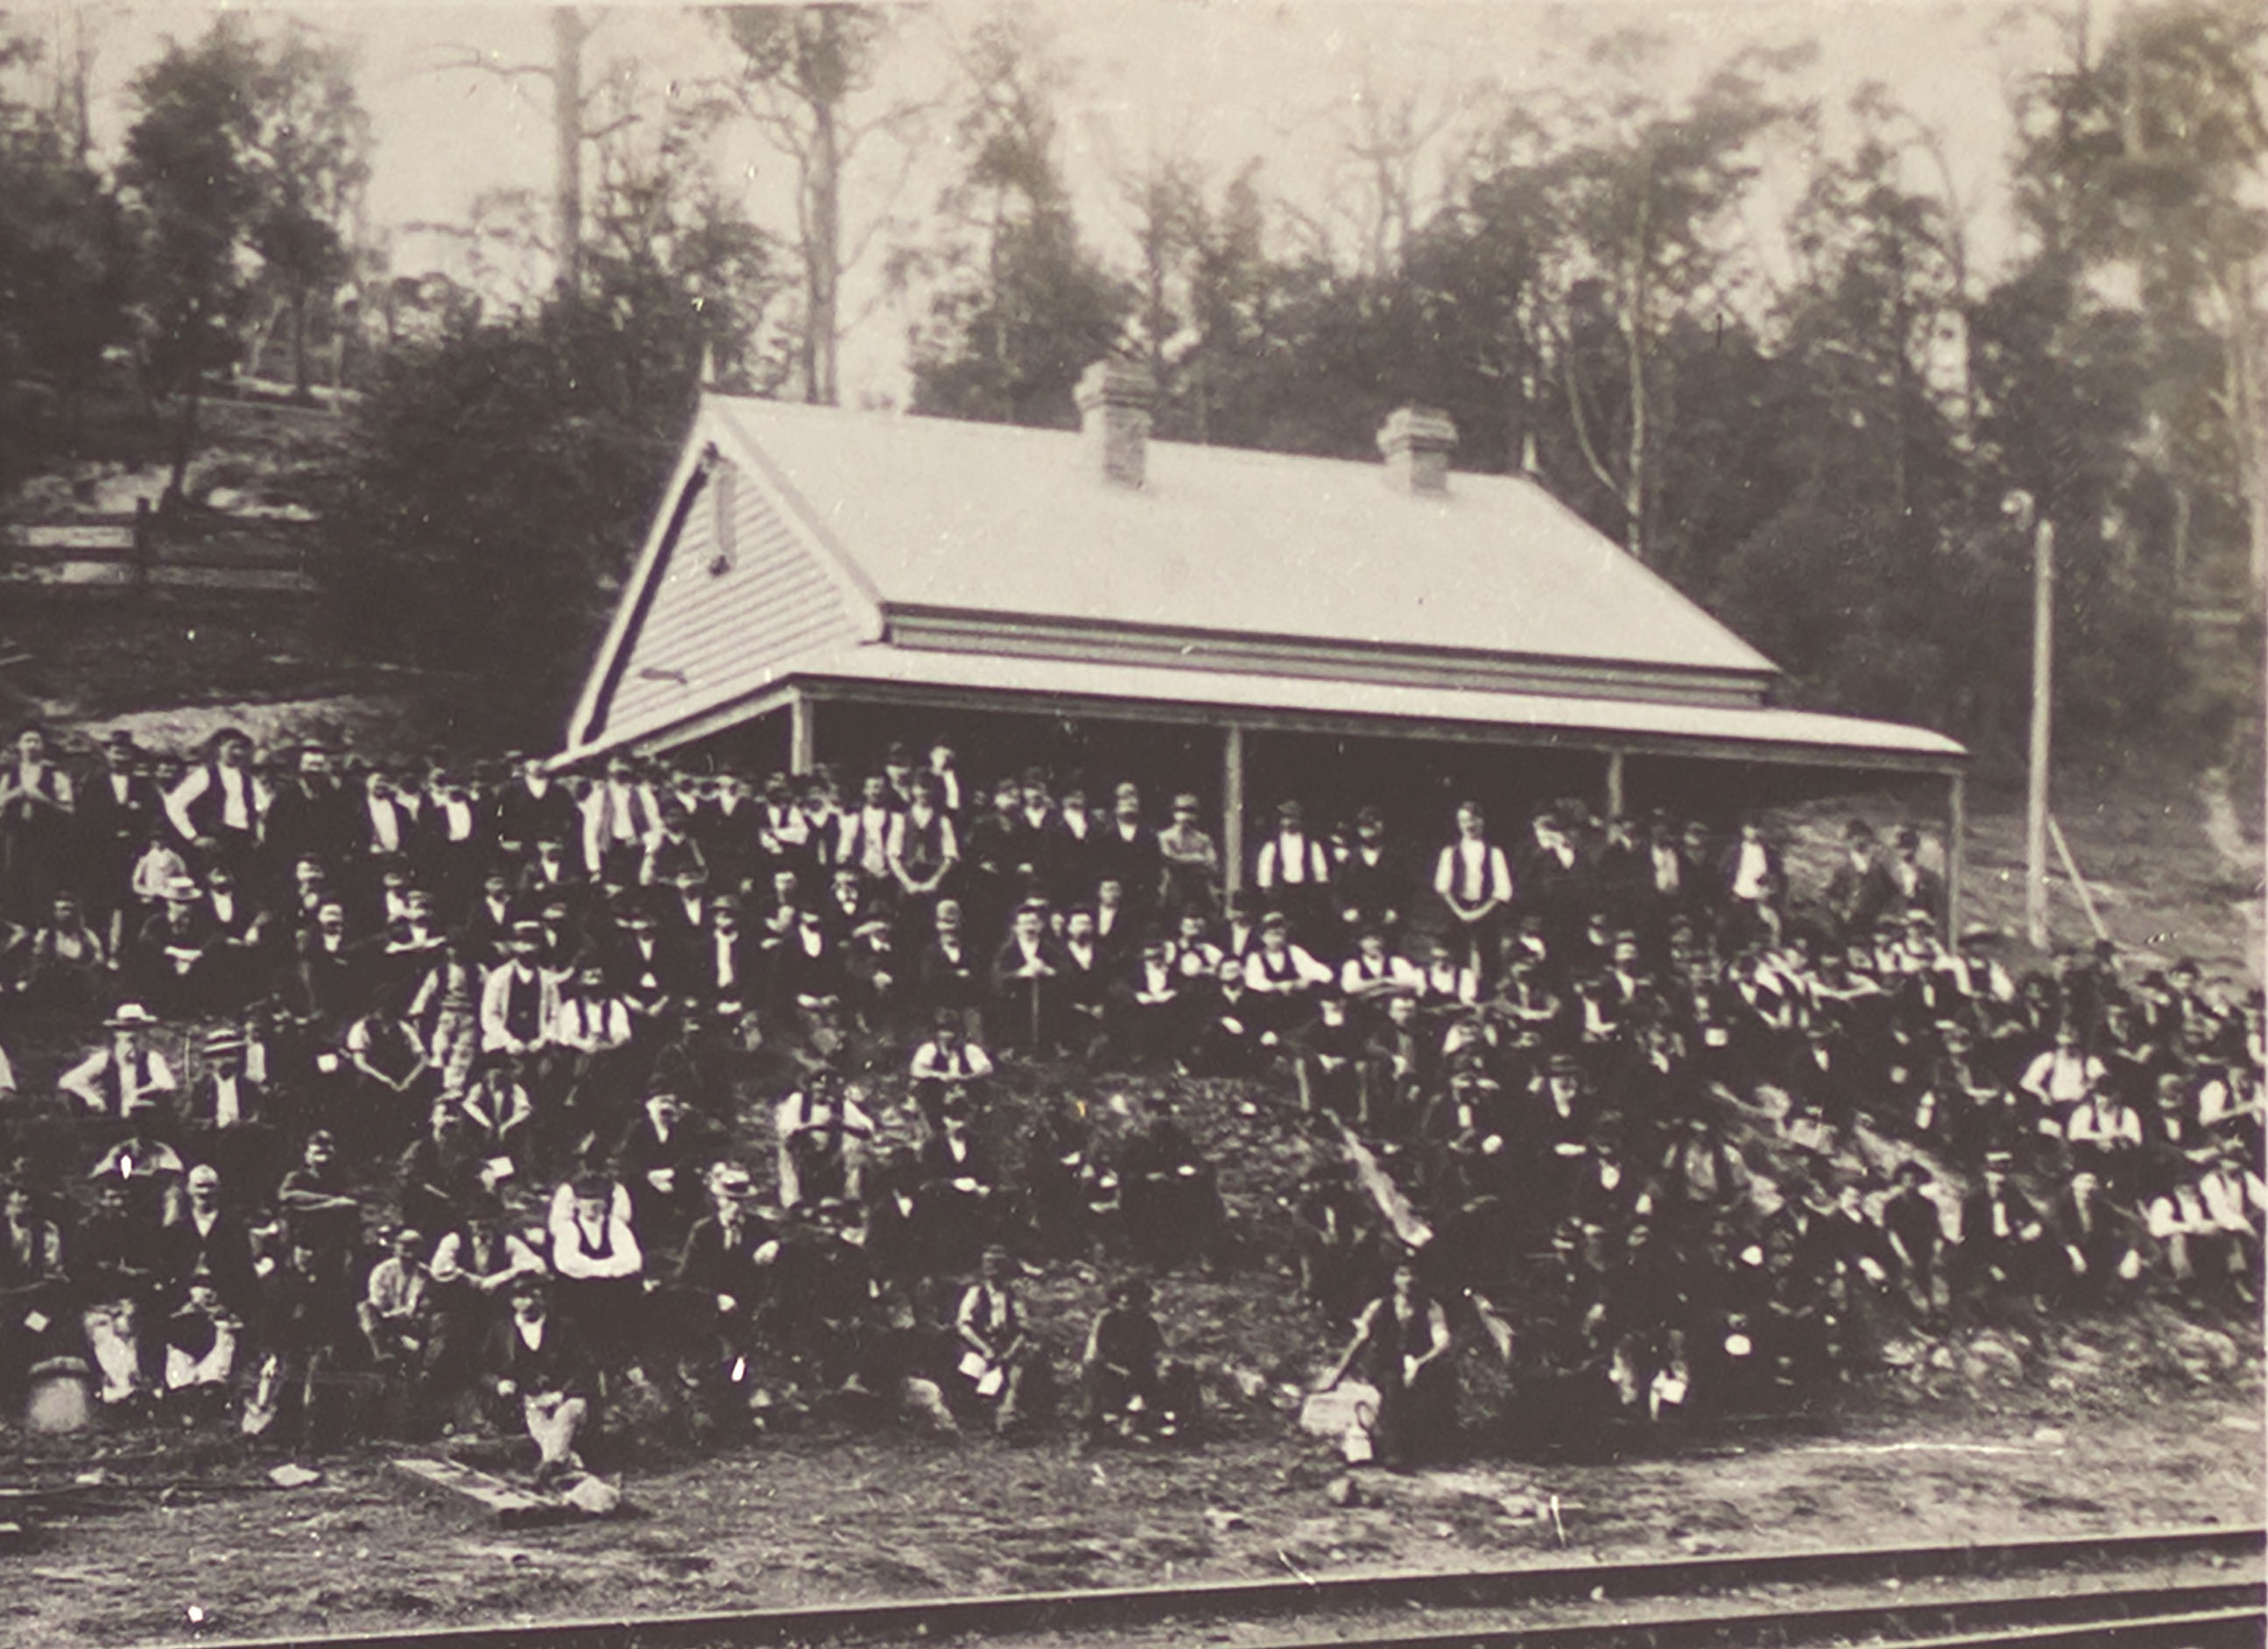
(125, 1076)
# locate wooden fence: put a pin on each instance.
(131, 555)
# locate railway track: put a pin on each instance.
(2192, 1588)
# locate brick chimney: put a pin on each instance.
(1113, 419)
(1416, 442)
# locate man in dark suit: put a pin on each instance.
(116, 807)
(1860, 889)
(660, 1159)
(1372, 885)
(1027, 983)
(948, 974)
(1915, 887)
(1129, 851)
(1997, 1264)
(534, 808)
(542, 1375)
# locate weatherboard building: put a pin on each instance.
(1250, 626)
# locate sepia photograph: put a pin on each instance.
(1092, 822)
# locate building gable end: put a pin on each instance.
(728, 588)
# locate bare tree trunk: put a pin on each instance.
(301, 390)
(1634, 460)
(824, 251)
(568, 33)
(2248, 415)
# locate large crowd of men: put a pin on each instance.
(512, 1097)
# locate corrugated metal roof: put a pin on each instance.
(885, 669)
(999, 518)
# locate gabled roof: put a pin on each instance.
(808, 550)
(936, 514)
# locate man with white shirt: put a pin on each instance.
(619, 819)
(1293, 875)
(949, 1069)
(519, 1005)
(1755, 886)
(124, 1078)
(220, 802)
(863, 837)
(387, 825)
(1474, 879)
(1372, 977)
(1285, 978)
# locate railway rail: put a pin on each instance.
(2185, 1589)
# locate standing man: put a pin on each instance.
(1293, 875)
(36, 803)
(219, 806)
(1372, 887)
(1474, 879)
(1130, 852)
(117, 805)
(1189, 863)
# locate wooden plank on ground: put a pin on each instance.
(510, 1505)
(265, 580)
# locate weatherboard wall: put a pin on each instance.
(735, 586)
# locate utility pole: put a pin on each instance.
(2020, 506)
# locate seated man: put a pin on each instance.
(999, 1359)
(595, 1254)
(1130, 1387)
(823, 1130)
(949, 1065)
(720, 1279)
(395, 1311)
(115, 1269)
(1333, 1062)
(1231, 1040)
(661, 1158)
(541, 1374)
(1149, 1014)
(1284, 977)
(32, 1290)
(125, 1077)
(470, 1273)
(1371, 978)
(202, 1338)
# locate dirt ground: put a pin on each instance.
(2039, 1439)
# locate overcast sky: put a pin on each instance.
(1217, 80)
